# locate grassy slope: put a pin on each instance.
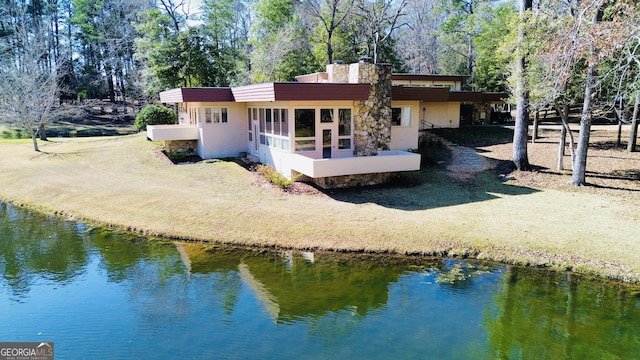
(120, 182)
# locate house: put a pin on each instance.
(352, 125)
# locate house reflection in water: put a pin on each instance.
(293, 285)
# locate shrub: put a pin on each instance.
(274, 177)
(155, 115)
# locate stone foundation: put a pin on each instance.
(346, 181)
(187, 147)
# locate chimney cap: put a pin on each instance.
(365, 60)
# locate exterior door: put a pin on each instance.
(327, 143)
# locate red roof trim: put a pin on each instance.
(428, 94)
(475, 96)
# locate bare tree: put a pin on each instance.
(418, 42)
(381, 18)
(331, 14)
(29, 86)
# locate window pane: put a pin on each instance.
(207, 115)
(406, 116)
(268, 120)
(285, 144)
(276, 122)
(344, 143)
(249, 119)
(344, 125)
(284, 118)
(396, 116)
(262, 139)
(261, 112)
(224, 115)
(216, 115)
(326, 115)
(305, 145)
(305, 122)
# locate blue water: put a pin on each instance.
(102, 294)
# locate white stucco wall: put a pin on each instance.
(406, 137)
(219, 140)
(444, 114)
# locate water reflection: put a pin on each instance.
(34, 244)
(77, 286)
(293, 285)
(561, 316)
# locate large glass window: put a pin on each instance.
(274, 127)
(344, 129)
(305, 122)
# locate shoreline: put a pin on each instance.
(485, 220)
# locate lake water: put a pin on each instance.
(101, 294)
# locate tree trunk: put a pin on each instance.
(578, 177)
(536, 123)
(633, 132)
(35, 143)
(621, 118)
(42, 132)
(520, 134)
(563, 112)
(561, 144)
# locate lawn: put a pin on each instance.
(125, 182)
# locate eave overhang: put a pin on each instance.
(301, 92)
(474, 96)
(425, 94)
(210, 94)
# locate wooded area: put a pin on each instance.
(550, 54)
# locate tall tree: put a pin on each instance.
(578, 176)
(521, 132)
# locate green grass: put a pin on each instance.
(122, 182)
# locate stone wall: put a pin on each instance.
(187, 147)
(346, 181)
(372, 120)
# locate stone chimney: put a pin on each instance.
(338, 72)
(372, 120)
